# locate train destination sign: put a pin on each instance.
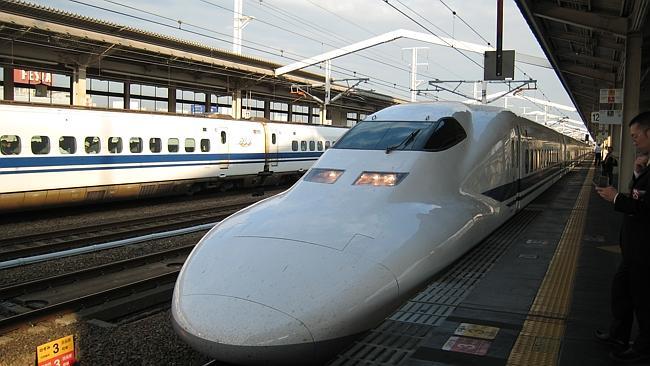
(56, 353)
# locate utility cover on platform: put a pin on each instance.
(507, 65)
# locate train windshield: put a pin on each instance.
(400, 135)
(381, 135)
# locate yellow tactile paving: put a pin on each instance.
(541, 335)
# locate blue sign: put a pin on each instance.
(198, 108)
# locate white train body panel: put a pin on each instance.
(284, 279)
(249, 149)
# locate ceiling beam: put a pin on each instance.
(582, 19)
(588, 73)
(588, 41)
(587, 58)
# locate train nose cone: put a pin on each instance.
(249, 332)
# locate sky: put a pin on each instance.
(284, 31)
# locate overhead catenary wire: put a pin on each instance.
(376, 81)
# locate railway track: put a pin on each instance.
(138, 282)
(42, 243)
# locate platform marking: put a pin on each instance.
(540, 338)
(467, 345)
(476, 331)
(611, 248)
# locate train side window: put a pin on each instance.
(319, 145)
(172, 145)
(10, 144)
(92, 145)
(312, 146)
(155, 145)
(67, 145)
(294, 145)
(115, 145)
(190, 145)
(223, 137)
(273, 139)
(40, 145)
(327, 145)
(135, 145)
(303, 145)
(447, 134)
(205, 145)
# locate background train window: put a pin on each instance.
(92, 145)
(40, 145)
(327, 145)
(312, 146)
(223, 137)
(294, 145)
(303, 145)
(10, 144)
(447, 134)
(273, 139)
(115, 145)
(190, 145)
(155, 145)
(205, 145)
(67, 145)
(319, 145)
(172, 145)
(135, 145)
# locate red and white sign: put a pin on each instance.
(467, 345)
(60, 352)
(32, 77)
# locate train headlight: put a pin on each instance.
(328, 176)
(379, 179)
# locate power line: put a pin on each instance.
(464, 22)
(428, 30)
(375, 81)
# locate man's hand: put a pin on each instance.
(608, 193)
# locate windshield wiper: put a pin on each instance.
(404, 142)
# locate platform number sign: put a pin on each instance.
(56, 353)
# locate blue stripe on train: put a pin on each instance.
(52, 161)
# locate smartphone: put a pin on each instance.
(601, 181)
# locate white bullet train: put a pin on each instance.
(401, 195)
(62, 155)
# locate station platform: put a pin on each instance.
(532, 293)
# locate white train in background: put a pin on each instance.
(400, 196)
(61, 155)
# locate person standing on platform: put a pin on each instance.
(597, 154)
(630, 290)
(608, 166)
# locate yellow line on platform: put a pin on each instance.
(541, 335)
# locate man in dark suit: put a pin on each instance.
(630, 288)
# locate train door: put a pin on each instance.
(272, 145)
(223, 149)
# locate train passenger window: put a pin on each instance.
(115, 145)
(294, 145)
(205, 145)
(303, 145)
(319, 145)
(223, 137)
(40, 145)
(67, 145)
(312, 146)
(135, 145)
(155, 145)
(190, 145)
(92, 145)
(447, 134)
(10, 144)
(327, 145)
(273, 139)
(172, 145)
